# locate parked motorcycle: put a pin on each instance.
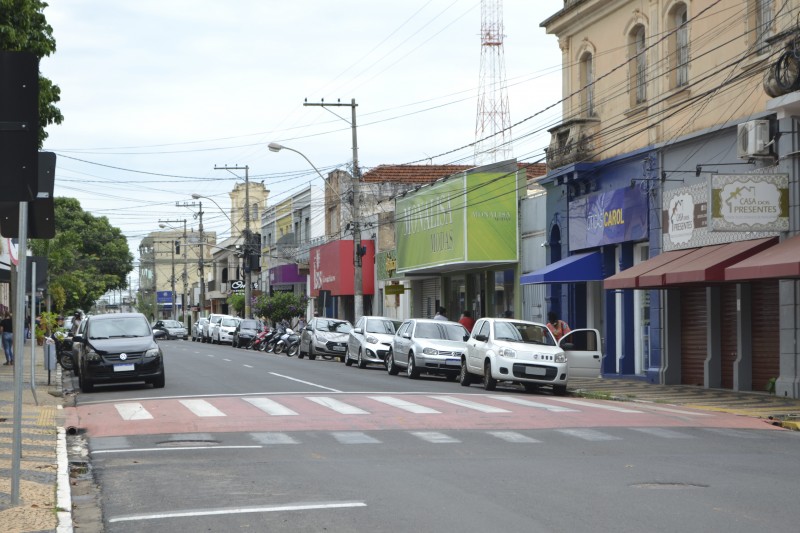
(293, 344)
(289, 343)
(64, 352)
(279, 330)
(260, 340)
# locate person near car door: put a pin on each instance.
(6, 329)
(467, 321)
(440, 314)
(557, 327)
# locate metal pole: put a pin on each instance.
(174, 307)
(32, 324)
(18, 348)
(202, 307)
(358, 297)
(186, 314)
(248, 275)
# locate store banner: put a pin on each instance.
(285, 274)
(608, 218)
(332, 268)
(749, 202)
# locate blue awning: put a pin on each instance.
(574, 269)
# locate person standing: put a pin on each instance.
(440, 314)
(467, 321)
(6, 329)
(557, 327)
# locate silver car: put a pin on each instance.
(173, 329)
(326, 337)
(428, 346)
(370, 340)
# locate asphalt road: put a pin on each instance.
(250, 441)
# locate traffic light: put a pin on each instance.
(361, 251)
(177, 247)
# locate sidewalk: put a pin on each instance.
(43, 466)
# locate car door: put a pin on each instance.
(401, 344)
(477, 348)
(584, 353)
(305, 335)
(356, 339)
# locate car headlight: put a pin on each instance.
(91, 355)
(372, 340)
(507, 352)
(561, 357)
(151, 353)
(430, 351)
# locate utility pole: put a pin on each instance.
(248, 289)
(358, 286)
(186, 317)
(202, 307)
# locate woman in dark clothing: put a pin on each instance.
(6, 328)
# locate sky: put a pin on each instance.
(155, 94)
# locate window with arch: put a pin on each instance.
(678, 46)
(587, 84)
(638, 65)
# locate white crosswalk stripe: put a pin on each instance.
(513, 436)
(663, 433)
(354, 437)
(538, 405)
(435, 437)
(596, 405)
(588, 434)
(274, 438)
(483, 408)
(738, 433)
(201, 408)
(132, 411)
(405, 405)
(271, 407)
(338, 406)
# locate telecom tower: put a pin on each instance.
(493, 123)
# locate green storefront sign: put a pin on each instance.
(470, 217)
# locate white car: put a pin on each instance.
(427, 346)
(208, 327)
(223, 331)
(519, 351)
(370, 340)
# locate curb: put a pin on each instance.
(63, 492)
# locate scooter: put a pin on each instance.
(293, 344)
(283, 343)
(276, 336)
(260, 340)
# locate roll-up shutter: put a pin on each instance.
(729, 332)
(431, 290)
(693, 335)
(765, 332)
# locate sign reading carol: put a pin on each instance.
(750, 202)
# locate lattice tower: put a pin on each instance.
(493, 123)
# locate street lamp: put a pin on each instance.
(358, 297)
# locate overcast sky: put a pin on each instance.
(156, 93)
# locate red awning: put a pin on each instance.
(655, 279)
(779, 261)
(629, 278)
(710, 267)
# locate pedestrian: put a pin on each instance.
(467, 321)
(557, 327)
(508, 313)
(6, 329)
(440, 313)
(76, 323)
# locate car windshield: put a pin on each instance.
(172, 324)
(451, 332)
(230, 322)
(382, 326)
(248, 324)
(522, 332)
(118, 327)
(334, 326)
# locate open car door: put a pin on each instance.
(584, 354)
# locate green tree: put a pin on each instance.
(237, 302)
(87, 257)
(24, 28)
(282, 305)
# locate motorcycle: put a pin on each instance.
(283, 342)
(64, 352)
(259, 340)
(279, 330)
(293, 344)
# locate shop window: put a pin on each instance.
(678, 46)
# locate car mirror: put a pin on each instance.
(359, 331)
(466, 337)
(406, 335)
(481, 338)
(159, 334)
(77, 338)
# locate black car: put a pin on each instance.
(118, 347)
(245, 332)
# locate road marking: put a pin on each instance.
(663, 433)
(513, 436)
(529, 403)
(405, 405)
(354, 437)
(470, 405)
(238, 510)
(676, 411)
(273, 438)
(248, 366)
(132, 411)
(304, 382)
(271, 407)
(177, 449)
(588, 434)
(434, 437)
(336, 405)
(201, 408)
(741, 434)
(226, 359)
(596, 405)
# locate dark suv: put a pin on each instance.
(245, 332)
(118, 347)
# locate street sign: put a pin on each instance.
(394, 289)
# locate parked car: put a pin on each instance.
(369, 340)
(208, 328)
(246, 331)
(326, 337)
(118, 347)
(427, 346)
(197, 329)
(223, 331)
(523, 352)
(173, 329)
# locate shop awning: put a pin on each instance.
(574, 269)
(710, 267)
(657, 278)
(629, 278)
(779, 261)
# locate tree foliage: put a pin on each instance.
(281, 305)
(87, 257)
(24, 28)
(237, 302)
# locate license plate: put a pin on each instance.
(535, 371)
(338, 348)
(452, 362)
(123, 368)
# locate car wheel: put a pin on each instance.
(361, 362)
(391, 368)
(559, 390)
(159, 381)
(412, 370)
(347, 360)
(489, 383)
(311, 354)
(464, 377)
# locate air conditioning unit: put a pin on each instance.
(752, 139)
